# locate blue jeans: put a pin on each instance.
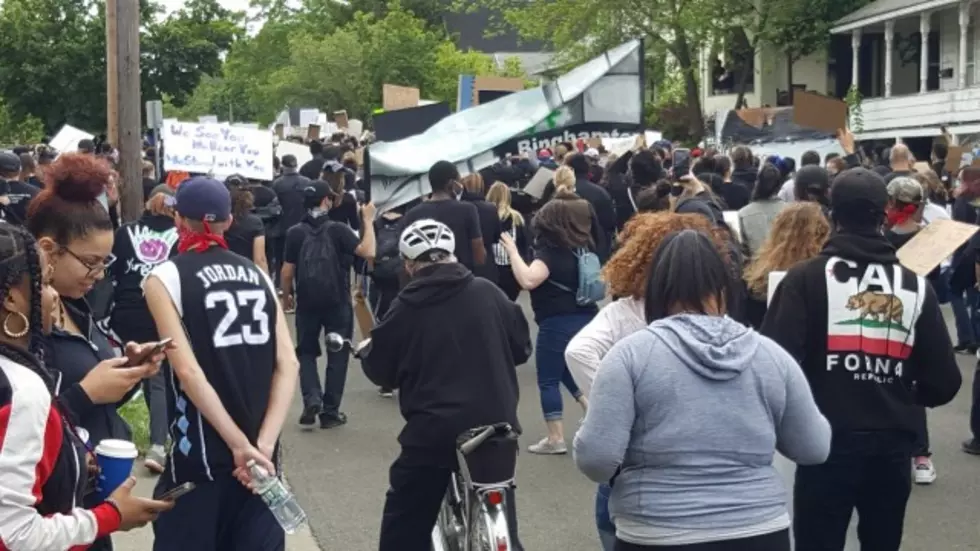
(310, 326)
(966, 316)
(604, 524)
(554, 333)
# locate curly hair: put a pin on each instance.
(629, 268)
(68, 207)
(798, 233)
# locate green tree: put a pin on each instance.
(54, 56)
(19, 130)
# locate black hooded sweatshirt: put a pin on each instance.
(868, 334)
(450, 344)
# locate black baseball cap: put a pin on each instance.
(858, 197)
(9, 162)
(317, 191)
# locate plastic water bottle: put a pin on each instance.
(280, 501)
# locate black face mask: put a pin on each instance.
(676, 190)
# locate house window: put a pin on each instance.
(733, 66)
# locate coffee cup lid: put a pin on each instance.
(121, 449)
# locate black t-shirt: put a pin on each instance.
(733, 194)
(346, 213)
(291, 190)
(262, 195)
(345, 242)
(461, 217)
(20, 195)
(548, 300)
(312, 168)
(228, 307)
(242, 234)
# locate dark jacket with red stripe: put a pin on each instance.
(43, 468)
(868, 334)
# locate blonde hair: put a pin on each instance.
(564, 179)
(798, 233)
(473, 183)
(499, 195)
(349, 157)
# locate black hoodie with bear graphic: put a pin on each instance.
(868, 334)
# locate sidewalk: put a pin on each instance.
(142, 539)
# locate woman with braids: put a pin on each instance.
(76, 234)
(246, 236)
(40, 452)
(626, 273)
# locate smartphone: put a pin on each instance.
(157, 348)
(175, 493)
(680, 162)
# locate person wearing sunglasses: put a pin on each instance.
(75, 233)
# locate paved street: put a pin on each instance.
(341, 476)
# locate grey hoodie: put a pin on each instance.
(692, 410)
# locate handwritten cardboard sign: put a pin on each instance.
(954, 157)
(933, 244)
(819, 112)
(340, 117)
(218, 149)
(539, 182)
(399, 97)
(313, 132)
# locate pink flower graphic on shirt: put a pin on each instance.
(153, 251)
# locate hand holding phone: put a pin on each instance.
(177, 492)
(681, 163)
(147, 352)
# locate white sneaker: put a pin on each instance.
(547, 447)
(925, 471)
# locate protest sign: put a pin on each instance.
(355, 127)
(308, 117)
(731, 218)
(66, 140)
(313, 132)
(399, 97)
(953, 159)
(209, 119)
(298, 150)
(933, 244)
(819, 112)
(340, 117)
(535, 188)
(775, 278)
(280, 129)
(218, 149)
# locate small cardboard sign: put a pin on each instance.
(954, 157)
(539, 182)
(594, 143)
(395, 97)
(819, 112)
(313, 132)
(280, 129)
(933, 244)
(340, 117)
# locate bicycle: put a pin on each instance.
(473, 514)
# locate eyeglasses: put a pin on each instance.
(93, 268)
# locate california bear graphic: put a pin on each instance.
(880, 307)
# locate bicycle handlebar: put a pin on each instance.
(475, 442)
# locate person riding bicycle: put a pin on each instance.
(450, 343)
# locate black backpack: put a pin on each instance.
(387, 260)
(318, 274)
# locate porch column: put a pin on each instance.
(964, 24)
(855, 56)
(889, 46)
(924, 59)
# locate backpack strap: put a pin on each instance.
(629, 193)
(578, 254)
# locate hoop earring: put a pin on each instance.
(18, 334)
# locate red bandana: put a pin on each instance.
(194, 241)
(900, 216)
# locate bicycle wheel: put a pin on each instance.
(449, 524)
(488, 529)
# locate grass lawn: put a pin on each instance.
(138, 416)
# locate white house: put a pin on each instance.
(915, 64)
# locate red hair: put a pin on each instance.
(68, 207)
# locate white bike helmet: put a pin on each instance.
(424, 236)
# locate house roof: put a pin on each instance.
(886, 10)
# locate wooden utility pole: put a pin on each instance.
(123, 102)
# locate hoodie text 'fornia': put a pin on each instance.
(871, 315)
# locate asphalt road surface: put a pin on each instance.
(340, 475)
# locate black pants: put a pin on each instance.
(867, 471)
(921, 446)
(412, 505)
(275, 253)
(975, 406)
(776, 541)
(221, 514)
(311, 326)
(507, 283)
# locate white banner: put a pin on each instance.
(218, 149)
(66, 140)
